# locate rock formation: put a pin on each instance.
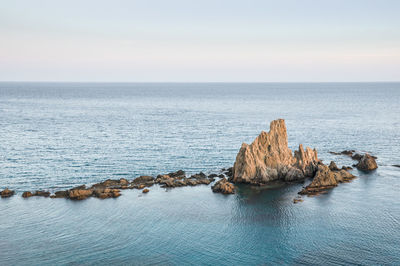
(112, 188)
(223, 186)
(326, 178)
(27, 194)
(367, 163)
(7, 193)
(269, 158)
(39, 193)
(179, 179)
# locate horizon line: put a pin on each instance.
(69, 81)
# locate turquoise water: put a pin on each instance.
(58, 135)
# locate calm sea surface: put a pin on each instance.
(58, 135)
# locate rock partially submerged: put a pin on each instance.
(333, 166)
(143, 181)
(297, 200)
(80, 193)
(345, 152)
(269, 158)
(6, 193)
(27, 194)
(223, 186)
(112, 183)
(351, 153)
(111, 188)
(367, 163)
(326, 178)
(173, 180)
(38, 193)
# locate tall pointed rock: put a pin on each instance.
(269, 158)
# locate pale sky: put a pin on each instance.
(200, 41)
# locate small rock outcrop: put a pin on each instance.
(179, 179)
(39, 193)
(297, 200)
(145, 190)
(367, 163)
(333, 166)
(142, 181)
(223, 186)
(80, 193)
(60, 194)
(326, 178)
(6, 193)
(269, 158)
(27, 194)
(111, 183)
(103, 193)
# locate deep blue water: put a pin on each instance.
(58, 135)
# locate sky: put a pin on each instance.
(200, 41)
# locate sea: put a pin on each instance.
(56, 135)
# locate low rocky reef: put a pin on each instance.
(366, 162)
(112, 188)
(267, 159)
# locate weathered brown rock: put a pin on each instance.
(367, 163)
(223, 186)
(200, 175)
(333, 166)
(269, 158)
(204, 181)
(27, 194)
(326, 178)
(352, 154)
(80, 193)
(348, 152)
(41, 193)
(104, 193)
(168, 183)
(144, 179)
(180, 174)
(38, 193)
(191, 182)
(356, 156)
(342, 176)
(145, 190)
(162, 178)
(345, 152)
(6, 193)
(112, 183)
(178, 179)
(60, 194)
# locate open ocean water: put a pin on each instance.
(59, 135)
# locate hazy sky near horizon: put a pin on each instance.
(207, 40)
